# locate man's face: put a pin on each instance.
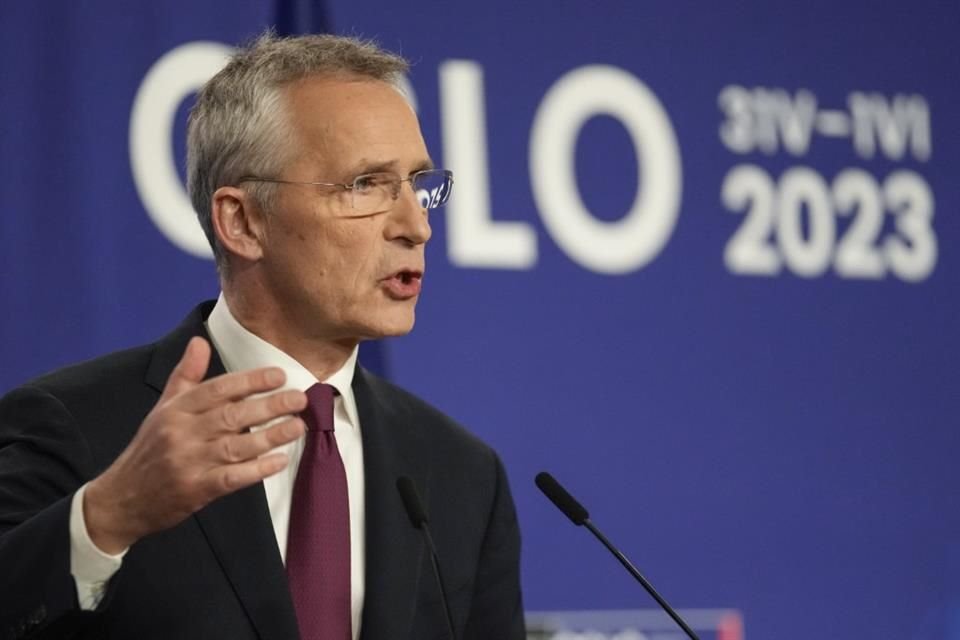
(333, 274)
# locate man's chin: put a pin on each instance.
(389, 328)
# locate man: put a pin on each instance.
(237, 478)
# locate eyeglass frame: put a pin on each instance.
(352, 186)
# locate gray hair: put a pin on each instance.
(238, 126)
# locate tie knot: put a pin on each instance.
(319, 412)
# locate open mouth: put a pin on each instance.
(406, 277)
(403, 284)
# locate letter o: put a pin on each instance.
(638, 237)
(172, 78)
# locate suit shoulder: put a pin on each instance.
(114, 372)
(103, 372)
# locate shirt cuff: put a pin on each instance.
(91, 567)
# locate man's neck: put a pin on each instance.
(322, 357)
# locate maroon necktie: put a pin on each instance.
(318, 540)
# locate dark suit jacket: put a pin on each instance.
(219, 573)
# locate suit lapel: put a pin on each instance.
(392, 447)
(237, 526)
(239, 531)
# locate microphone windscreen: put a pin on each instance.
(411, 502)
(559, 496)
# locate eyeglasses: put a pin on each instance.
(374, 192)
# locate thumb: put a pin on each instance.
(191, 368)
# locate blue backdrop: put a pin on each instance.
(699, 263)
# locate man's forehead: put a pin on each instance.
(355, 125)
(362, 106)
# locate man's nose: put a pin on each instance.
(408, 218)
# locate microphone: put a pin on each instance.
(579, 516)
(419, 520)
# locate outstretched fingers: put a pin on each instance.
(232, 477)
(235, 448)
(234, 417)
(230, 387)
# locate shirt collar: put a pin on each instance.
(241, 350)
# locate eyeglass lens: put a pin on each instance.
(432, 188)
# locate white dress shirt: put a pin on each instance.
(241, 350)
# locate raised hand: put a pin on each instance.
(193, 447)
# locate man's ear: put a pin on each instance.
(238, 223)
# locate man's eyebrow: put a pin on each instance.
(365, 166)
(426, 165)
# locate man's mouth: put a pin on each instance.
(403, 284)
